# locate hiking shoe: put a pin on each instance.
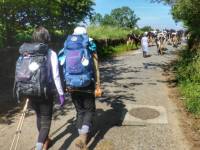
(81, 142)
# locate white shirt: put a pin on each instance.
(55, 72)
(144, 41)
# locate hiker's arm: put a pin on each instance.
(92, 48)
(96, 68)
(55, 72)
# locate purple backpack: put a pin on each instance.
(78, 66)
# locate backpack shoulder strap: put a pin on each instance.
(61, 56)
(49, 61)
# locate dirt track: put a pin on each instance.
(132, 85)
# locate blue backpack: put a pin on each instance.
(77, 62)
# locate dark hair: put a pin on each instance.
(41, 35)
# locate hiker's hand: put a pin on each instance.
(62, 100)
(98, 92)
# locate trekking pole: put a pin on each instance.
(19, 127)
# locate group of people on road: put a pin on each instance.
(83, 98)
(160, 39)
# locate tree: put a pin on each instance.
(187, 11)
(121, 17)
(146, 28)
(124, 17)
(96, 19)
(55, 14)
(108, 20)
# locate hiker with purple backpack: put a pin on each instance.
(82, 80)
(36, 77)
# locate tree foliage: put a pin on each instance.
(120, 17)
(53, 14)
(147, 28)
(124, 17)
(96, 19)
(108, 20)
(187, 11)
(171, 2)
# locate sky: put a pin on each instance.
(156, 15)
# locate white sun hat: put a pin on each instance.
(79, 31)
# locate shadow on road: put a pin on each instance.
(107, 119)
(71, 129)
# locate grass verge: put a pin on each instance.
(109, 32)
(188, 76)
(110, 51)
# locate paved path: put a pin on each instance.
(135, 112)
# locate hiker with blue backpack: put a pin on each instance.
(36, 77)
(82, 80)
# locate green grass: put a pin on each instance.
(191, 92)
(188, 76)
(122, 48)
(112, 33)
(110, 51)
(108, 32)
